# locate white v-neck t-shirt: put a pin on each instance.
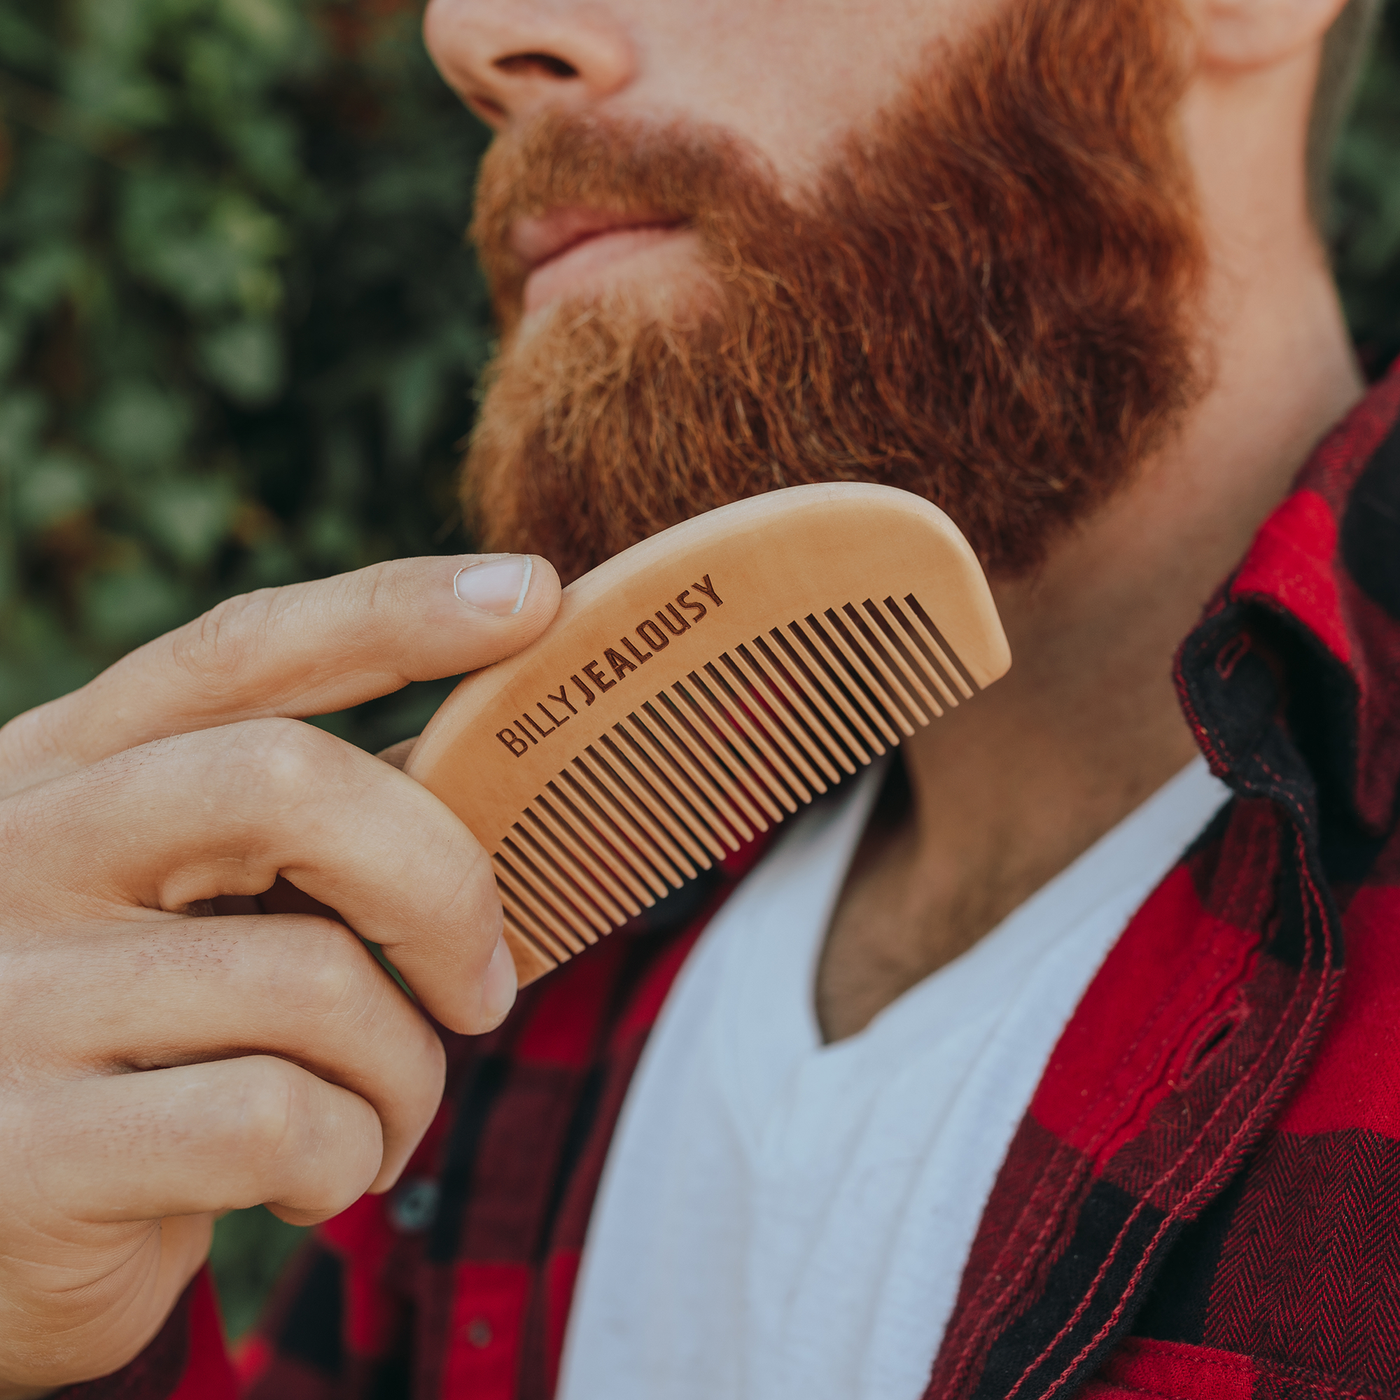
(781, 1219)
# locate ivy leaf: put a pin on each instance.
(192, 517)
(245, 360)
(59, 484)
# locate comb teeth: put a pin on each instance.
(703, 766)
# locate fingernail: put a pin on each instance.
(498, 586)
(501, 984)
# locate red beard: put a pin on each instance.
(987, 300)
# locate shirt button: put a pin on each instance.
(479, 1332)
(414, 1204)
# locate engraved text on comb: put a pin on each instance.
(584, 686)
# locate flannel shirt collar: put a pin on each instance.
(1298, 655)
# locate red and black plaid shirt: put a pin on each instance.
(1204, 1197)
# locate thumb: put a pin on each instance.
(308, 649)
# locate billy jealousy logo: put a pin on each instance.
(589, 681)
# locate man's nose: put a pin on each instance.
(509, 59)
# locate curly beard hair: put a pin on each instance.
(987, 299)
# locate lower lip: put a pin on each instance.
(597, 262)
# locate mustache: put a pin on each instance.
(681, 172)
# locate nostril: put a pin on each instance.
(522, 65)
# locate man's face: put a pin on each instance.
(947, 245)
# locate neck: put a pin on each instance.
(1006, 792)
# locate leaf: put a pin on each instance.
(35, 661)
(22, 44)
(271, 24)
(44, 275)
(140, 426)
(192, 517)
(59, 484)
(116, 28)
(412, 398)
(246, 361)
(22, 415)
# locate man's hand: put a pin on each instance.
(161, 1062)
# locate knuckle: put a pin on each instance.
(273, 1111)
(401, 1061)
(324, 1143)
(348, 1153)
(332, 978)
(375, 585)
(446, 874)
(457, 908)
(216, 650)
(32, 1133)
(365, 593)
(290, 757)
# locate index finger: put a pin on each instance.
(308, 649)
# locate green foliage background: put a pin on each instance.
(238, 327)
(239, 334)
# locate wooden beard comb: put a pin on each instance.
(698, 688)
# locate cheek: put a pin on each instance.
(793, 78)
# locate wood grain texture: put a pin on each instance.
(698, 689)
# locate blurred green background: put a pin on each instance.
(239, 329)
(239, 333)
